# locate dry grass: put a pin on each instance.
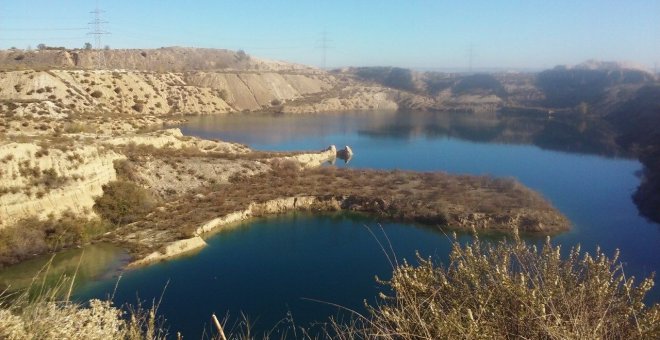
(46, 312)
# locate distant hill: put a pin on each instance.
(638, 121)
(588, 82)
(429, 83)
(166, 59)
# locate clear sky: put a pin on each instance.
(531, 34)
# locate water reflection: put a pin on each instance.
(554, 132)
(98, 261)
(571, 134)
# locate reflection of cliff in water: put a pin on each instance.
(570, 134)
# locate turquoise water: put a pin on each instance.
(267, 267)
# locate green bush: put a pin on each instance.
(123, 202)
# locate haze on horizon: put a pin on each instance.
(418, 34)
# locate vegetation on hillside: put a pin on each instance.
(123, 202)
(430, 198)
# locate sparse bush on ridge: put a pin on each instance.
(123, 202)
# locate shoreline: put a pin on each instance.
(316, 204)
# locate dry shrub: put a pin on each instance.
(512, 290)
(124, 202)
(125, 170)
(32, 236)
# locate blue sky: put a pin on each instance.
(421, 34)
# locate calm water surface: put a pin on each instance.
(272, 266)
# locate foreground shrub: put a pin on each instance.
(123, 202)
(512, 290)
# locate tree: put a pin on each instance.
(88, 46)
(41, 46)
(106, 47)
(241, 55)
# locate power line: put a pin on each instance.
(44, 29)
(42, 39)
(470, 58)
(324, 45)
(96, 29)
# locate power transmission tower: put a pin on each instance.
(96, 29)
(324, 45)
(470, 58)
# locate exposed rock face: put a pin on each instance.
(351, 97)
(252, 91)
(37, 181)
(57, 93)
(174, 249)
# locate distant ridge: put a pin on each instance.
(165, 59)
(599, 65)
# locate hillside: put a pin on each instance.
(53, 91)
(166, 59)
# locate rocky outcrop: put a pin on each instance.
(174, 139)
(39, 181)
(174, 249)
(313, 160)
(346, 154)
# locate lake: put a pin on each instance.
(269, 267)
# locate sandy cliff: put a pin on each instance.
(38, 181)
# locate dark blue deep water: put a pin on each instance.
(269, 267)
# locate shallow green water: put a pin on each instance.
(91, 263)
